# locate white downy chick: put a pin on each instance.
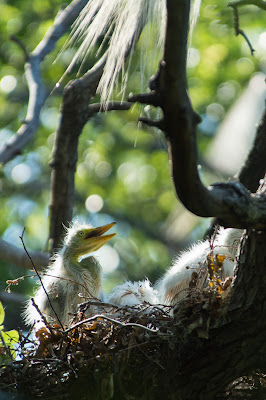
(133, 293)
(69, 275)
(174, 285)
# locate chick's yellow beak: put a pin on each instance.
(94, 238)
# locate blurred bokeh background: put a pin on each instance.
(122, 173)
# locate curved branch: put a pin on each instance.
(259, 3)
(255, 166)
(37, 90)
(17, 256)
(75, 112)
(239, 31)
(231, 203)
(74, 115)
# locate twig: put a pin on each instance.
(100, 303)
(111, 320)
(7, 349)
(237, 3)
(239, 31)
(21, 238)
(153, 98)
(155, 124)
(16, 281)
(109, 106)
(151, 359)
(21, 45)
(72, 281)
(42, 316)
(37, 90)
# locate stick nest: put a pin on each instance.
(118, 353)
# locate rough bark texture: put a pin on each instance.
(74, 115)
(231, 203)
(255, 166)
(75, 112)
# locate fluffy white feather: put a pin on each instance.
(65, 278)
(120, 23)
(133, 293)
(173, 286)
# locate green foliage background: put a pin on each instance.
(123, 163)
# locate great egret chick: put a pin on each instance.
(174, 285)
(70, 274)
(133, 293)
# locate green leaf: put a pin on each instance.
(11, 337)
(2, 315)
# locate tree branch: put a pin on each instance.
(17, 256)
(230, 202)
(239, 31)
(109, 106)
(237, 3)
(75, 112)
(255, 166)
(37, 90)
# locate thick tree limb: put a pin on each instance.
(255, 165)
(17, 256)
(37, 90)
(232, 204)
(75, 112)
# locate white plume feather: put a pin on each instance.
(120, 22)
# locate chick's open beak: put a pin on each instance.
(94, 239)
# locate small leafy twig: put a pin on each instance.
(21, 238)
(7, 349)
(21, 278)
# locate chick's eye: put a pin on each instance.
(81, 233)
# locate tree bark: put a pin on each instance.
(74, 115)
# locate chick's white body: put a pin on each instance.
(173, 286)
(63, 285)
(133, 293)
(68, 276)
